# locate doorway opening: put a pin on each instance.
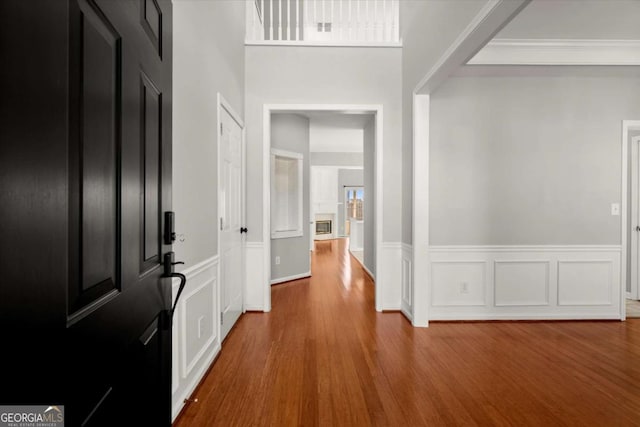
(354, 220)
(322, 184)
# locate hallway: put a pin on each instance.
(324, 357)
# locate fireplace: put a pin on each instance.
(323, 226)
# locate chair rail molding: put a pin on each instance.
(558, 52)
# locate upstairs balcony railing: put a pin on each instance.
(323, 22)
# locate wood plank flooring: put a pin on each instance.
(324, 357)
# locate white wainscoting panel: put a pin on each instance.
(585, 282)
(525, 282)
(255, 277)
(389, 275)
(458, 283)
(197, 324)
(407, 281)
(196, 330)
(521, 282)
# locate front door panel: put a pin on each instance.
(120, 177)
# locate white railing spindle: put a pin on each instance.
(288, 19)
(350, 22)
(384, 21)
(341, 20)
(358, 20)
(315, 15)
(332, 22)
(297, 19)
(375, 20)
(270, 19)
(396, 19)
(262, 16)
(281, 15)
(254, 30)
(368, 34)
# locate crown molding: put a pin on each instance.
(558, 52)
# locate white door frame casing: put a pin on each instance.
(421, 262)
(633, 221)
(268, 109)
(627, 127)
(224, 104)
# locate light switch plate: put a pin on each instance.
(615, 209)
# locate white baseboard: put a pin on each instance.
(525, 282)
(364, 267)
(290, 278)
(369, 272)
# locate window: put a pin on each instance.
(286, 194)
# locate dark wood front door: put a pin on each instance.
(86, 177)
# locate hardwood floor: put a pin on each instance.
(324, 357)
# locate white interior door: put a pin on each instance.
(635, 219)
(231, 205)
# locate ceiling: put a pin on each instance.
(576, 19)
(338, 120)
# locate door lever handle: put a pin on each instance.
(243, 229)
(169, 272)
(183, 282)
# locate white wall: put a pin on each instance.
(208, 43)
(531, 160)
(326, 137)
(285, 75)
(428, 28)
(576, 19)
(290, 132)
(369, 176)
(208, 58)
(336, 159)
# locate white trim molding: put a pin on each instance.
(196, 330)
(255, 276)
(627, 127)
(525, 282)
(558, 52)
(406, 269)
(290, 278)
(420, 215)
